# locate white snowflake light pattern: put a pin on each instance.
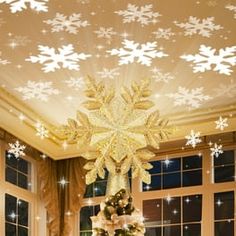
(106, 33)
(37, 90)
(228, 90)
(41, 131)
(231, 8)
(3, 61)
(66, 56)
(203, 27)
(192, 97)
(75, 83)
(216, 150)
(159, 76)
(163, 33)
(143, 52)
(108, 73)
(193, 139)
(18, 41)
(207, 57)
(144, 15)
(69, 24)
(221, 123)
(19, 5)
(16, 149)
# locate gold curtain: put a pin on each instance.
(62, 202)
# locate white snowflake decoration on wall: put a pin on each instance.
(193, 139)
(163, 33)
(19, 5)
(17, 149)
(52, 60)
(37, 90)
(3, 61)
(231, 8)
(143, 52)
(216, 150)
(75, 83)
(144, 14)
(192, 97)
(70, 24)
(108, 73)
(207, 57)
(41, 131)
(203, 27)
(160, 76)
(221, 123)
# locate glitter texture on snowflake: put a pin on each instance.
(41, 131)
(223, 61)
(159, 76)
(231, 8)
(144, 15)
(37, 90)
(163, 33)
(221, 123)
(19, 5)
(196, 26)
(50, 59)
(193, 139)
(108, 73)
(75, 83)
(3, 61)
(216, 150)
(69, 24)
(143, 52)
(16, 149)
(192, 97)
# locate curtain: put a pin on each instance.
(61, 201)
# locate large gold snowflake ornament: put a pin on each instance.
(118, 128)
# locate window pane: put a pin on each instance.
(192, 178)
(227, 157)
(224, 228)
(10, 229)
(23, 210)
(171, 211)
(22, 231)
(23, 166)
(10, 208)
(156, 167)
(11, 175)
(224, 205)
(171, 180)
(22, 181)
(155, 183)
(89, 191)
(172, 230)
(192, 208)
(152, 211)
(11, 160)
(100, 188)
(85, 222)
(224, 174)
(171, 165)
(85, 233)
(192, 230)
(192, 162)
(153, 231)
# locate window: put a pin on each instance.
(16, 216)
(17, 171)
(224, 213)
(224, 167)
(85, 221)
(179, 216)
(175, 173)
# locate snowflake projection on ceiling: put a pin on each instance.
(203, 27)
(69, 24)
(50, 59)
(109, 73)
(143, 52)
(3, 61)
(75, 83)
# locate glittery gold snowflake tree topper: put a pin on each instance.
(118, 128)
